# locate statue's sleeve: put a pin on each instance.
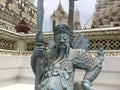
(84, 60)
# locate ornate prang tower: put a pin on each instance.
(77, 24)
(13, 11)
(107, 14)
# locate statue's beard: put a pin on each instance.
(62, 51)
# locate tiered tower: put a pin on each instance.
(107, 14)
(13, 11)
(77, 25)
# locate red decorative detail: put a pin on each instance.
(22, 27)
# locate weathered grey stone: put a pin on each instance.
(58, 65)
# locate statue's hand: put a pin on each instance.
(37, 54)
(38, 51)
(86, 86)
(100, 52)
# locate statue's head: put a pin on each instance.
(63, 35)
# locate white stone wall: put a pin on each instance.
(15, 69)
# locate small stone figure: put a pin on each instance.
(61, 60)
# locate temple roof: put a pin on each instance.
(59, 12)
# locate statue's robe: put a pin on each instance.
(59, 75)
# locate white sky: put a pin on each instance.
(86, 8)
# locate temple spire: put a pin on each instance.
(59, 2)
(77, 25)
(60, 6)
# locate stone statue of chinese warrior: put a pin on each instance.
(59, 61)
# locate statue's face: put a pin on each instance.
(62, 40)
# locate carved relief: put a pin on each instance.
(8, 44)
(13, 11)
(108, 12)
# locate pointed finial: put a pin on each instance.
(59, 1)
(77, 7)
